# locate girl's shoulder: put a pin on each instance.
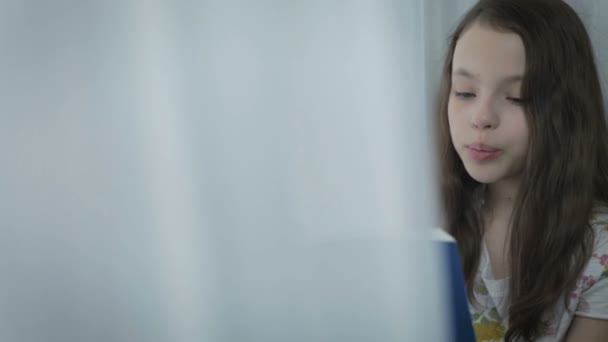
(599, 224)
(591, 293)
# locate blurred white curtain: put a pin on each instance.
(219, 171)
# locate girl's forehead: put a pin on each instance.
(482, 52)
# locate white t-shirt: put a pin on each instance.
(589, 299)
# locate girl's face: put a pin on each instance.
(487, 121)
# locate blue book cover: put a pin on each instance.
(460, 324)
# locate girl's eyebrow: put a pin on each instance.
(466, 73)
(507, 80)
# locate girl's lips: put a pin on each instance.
(482, 148)
(481, 152)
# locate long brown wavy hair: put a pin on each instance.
(566, 170)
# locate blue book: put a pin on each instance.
(460, 325)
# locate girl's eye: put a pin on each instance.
(464, 95)
(515, 100)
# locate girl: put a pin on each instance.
(523, 150)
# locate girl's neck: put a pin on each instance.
(500, 199)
